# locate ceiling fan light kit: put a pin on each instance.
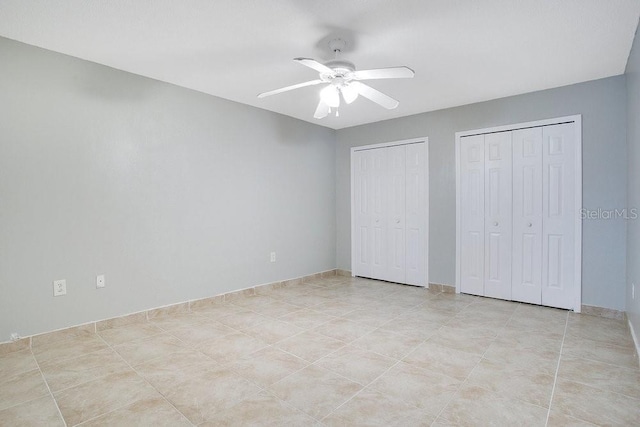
(330, 95)
(349, 93)
(342, 79)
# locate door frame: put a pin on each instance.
(425, 140)
(577, 121)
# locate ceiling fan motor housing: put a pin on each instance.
(341, 68)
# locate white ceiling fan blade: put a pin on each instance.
(312, 63)
(375, 95)
(287, 88)
(384, 73)
(322, 111)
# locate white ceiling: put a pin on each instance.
(462, 51)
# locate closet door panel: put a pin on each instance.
(378, 201)
(527, 216)
(472, 185)
(416, 214)
(396, 247)
(363, 233)
(498, 215)
(559, 215)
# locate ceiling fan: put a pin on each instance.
(342, 78)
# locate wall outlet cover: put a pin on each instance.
(59, 288)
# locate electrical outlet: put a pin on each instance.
(100, 281)
(273, 257)
(59, 288)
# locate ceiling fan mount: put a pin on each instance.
(337, 45)
(344, 81)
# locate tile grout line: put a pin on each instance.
(267, 390)
(146, 381)
(359, 391)
(314, 364)
(81, 382)
(483, 357)
(474, 368)
(398, 361)
(613, 365)
(228, 365)
(555, 378)
(55, 402)
(225, 365)
(68, 359)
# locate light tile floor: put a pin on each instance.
(338, 352)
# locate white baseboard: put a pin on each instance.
(146, 314)
(635, 339)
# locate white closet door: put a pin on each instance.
(472, 214)
(416, 214)
(379, 218)
(396, 254)
(559, 216)
(362, 231)
(498, 216)
(389, 212)
(527, 216)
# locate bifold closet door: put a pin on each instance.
(559, 212)
(379, 213)
(362, 164)
(370, 181)
(371, 215)
(390, 213)
(472, 214)
(395, 204)
(518, 223)
(416, 214)
(485, 173)
(498, 217)
(527, 215)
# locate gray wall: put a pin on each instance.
(172, 194)
(633, 199)
(603, 109)
(176, 195)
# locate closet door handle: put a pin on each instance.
(495, 223)
(397, 221)
(530, 225)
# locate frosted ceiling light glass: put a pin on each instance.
(331, 96)
(349, 93)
